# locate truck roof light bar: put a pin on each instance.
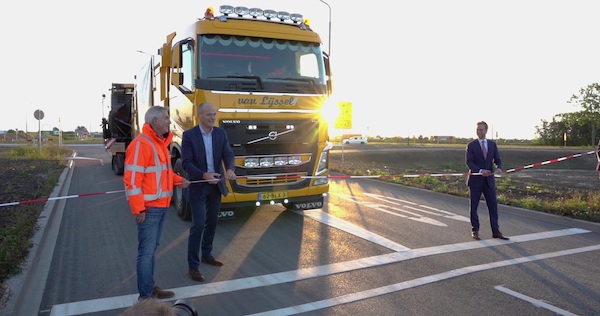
(241, 11)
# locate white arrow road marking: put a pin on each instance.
(436, 212)
(398, 211)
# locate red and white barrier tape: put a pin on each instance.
(425, 175)
(258, 177)
(58, 198)
(551, 161)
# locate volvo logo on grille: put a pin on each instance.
(272, 136)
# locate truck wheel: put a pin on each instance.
(288, 206)
(118, 164)
(181, 204)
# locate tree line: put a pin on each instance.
(576, 128)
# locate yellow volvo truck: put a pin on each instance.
(269, 79)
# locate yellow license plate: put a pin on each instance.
(272, 196)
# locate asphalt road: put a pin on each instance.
(375, 249)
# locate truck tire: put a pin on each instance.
(118, 164)
(288, 206)
(181, 204)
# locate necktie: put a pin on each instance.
(484, 149)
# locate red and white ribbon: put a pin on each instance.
(422, 175)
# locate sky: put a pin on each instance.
(409, 68)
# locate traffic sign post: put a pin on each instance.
(39, 115)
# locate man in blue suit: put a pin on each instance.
(482, 154)
(204, 150)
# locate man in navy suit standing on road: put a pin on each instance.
(482, 154)
(204, 150)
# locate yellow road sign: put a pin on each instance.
(344, 120)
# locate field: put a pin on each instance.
(569, 187)
(25, 177)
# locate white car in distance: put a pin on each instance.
(355, 140)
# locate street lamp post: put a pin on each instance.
(327, 4)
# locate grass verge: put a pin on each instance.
(28, 174)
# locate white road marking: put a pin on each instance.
(399, 213)
(125, 301)
(340, 224)
(420, 207)
(535, 302)
(353, 297)
(401, 207)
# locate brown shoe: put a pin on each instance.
(212, 262)
(499, 235)
(195, 275)
(475, 235)
(161, 294)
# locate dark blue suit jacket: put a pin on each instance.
(475, 162)
(193, 157)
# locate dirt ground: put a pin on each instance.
(23, 179)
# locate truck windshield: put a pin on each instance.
(235, 62)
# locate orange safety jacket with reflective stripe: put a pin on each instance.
(148, 176)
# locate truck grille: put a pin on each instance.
(271, 179)
(275, 153)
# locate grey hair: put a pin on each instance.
(154, 112)
(150, 307)
(203, 105)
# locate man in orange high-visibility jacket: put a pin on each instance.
(149, 180)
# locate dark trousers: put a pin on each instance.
(205, 211)
(489, 193)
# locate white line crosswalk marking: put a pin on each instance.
(125, 301)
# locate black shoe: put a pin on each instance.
(499, 235)
(475, 235)
(195, 275)
(212, 262)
